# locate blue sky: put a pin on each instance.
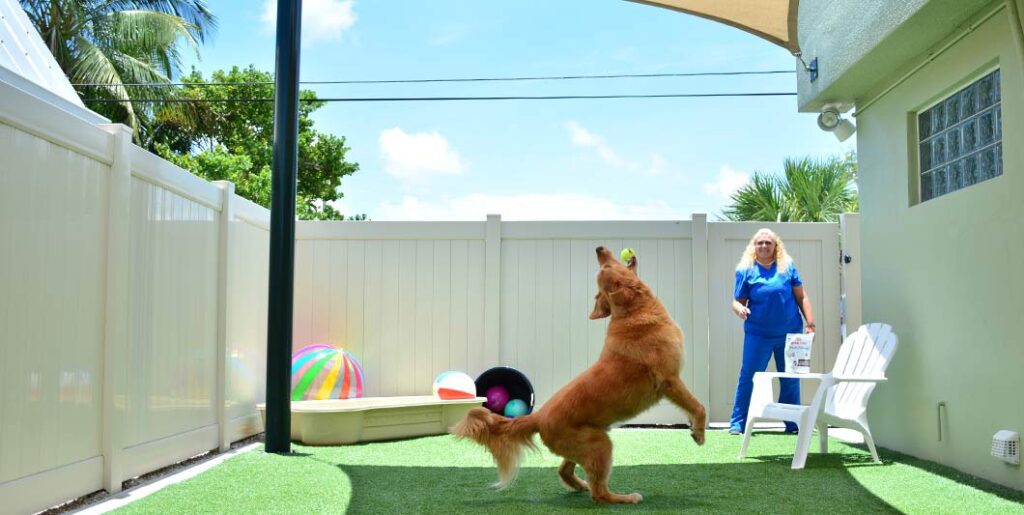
(534, 160)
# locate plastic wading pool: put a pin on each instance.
(345, 421)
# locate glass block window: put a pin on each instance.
(960, 139)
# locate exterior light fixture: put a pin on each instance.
(831, 121)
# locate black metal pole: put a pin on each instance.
(282, 226)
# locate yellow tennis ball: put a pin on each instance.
(627, 254)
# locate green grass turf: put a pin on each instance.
(440, 475)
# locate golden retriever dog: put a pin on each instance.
(639, 364)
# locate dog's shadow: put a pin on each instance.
(748, 486)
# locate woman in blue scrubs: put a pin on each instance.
(769, 297)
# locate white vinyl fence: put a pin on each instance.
(133, 303)
(132, 308)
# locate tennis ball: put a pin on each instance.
(627, 254)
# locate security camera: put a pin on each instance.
(831, 121)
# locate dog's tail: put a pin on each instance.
(504, 437)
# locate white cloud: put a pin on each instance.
(416, 157)
(581, 137)
(657, 167)
(727, 182)
(476, 207)
(322, 20)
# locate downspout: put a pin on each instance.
(1017, 24)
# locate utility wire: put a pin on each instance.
(465, 79)
(440, 99)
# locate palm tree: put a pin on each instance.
(808, 191)
(104, 46)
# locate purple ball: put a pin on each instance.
(497, 398)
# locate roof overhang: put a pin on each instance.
(773, 20)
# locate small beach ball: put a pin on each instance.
(323, 371)
(453, 384)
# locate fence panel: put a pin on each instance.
(815, 250)
(548, 286)
(52, 261)
(171, 357)
(404, 298)
(246, 345)
(109, 317)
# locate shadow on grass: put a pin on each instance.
(743, 487)
(815, 459)
(436, 475)
(762, 483)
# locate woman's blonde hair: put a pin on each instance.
(781, 256)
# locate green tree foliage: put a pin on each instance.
(113, 43)
(809, 190)
(233, 140)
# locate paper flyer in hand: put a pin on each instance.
(798, 352)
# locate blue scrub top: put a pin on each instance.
(773, 309)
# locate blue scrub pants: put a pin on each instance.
(757, 350)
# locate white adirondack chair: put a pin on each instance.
(842, 396)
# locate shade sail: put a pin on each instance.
(774, 20)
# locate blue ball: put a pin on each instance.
(515, 408)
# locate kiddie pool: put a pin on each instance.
(346, 421)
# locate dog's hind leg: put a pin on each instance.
(567, 473)
(678, 393)
(595, 456)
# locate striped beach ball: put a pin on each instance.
(323, 371)
(453, 384)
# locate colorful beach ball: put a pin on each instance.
(454, 385)
(323, 371)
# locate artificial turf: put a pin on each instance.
(439, 475)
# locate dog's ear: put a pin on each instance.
(631, 265)
(601, 308)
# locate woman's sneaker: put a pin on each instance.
(735, 430)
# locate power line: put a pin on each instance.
(464, 79)
(441, 99)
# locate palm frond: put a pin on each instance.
(153, 36)
(195, 13)
(760, 199)
(809, 190)
(111, 43)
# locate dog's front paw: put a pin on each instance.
(634, 498)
